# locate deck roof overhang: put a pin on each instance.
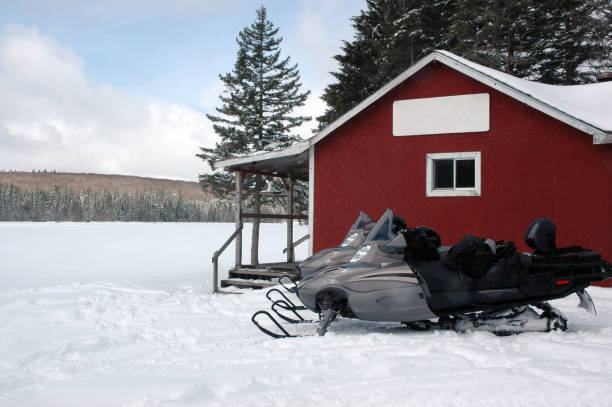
(291, 162)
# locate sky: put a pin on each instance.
(122, 87)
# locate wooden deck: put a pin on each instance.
(257, 276)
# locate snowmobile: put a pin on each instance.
(478, 284)
(341, 254)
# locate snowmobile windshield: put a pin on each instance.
(381, 252)
(381, 239)
(383, 230)
(363, 222)
(361, 227)
(353, 239)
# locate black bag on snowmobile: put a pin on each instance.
(471, 256)
(422, 243)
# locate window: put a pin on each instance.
(453, 174)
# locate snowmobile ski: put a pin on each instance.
(283, 332)
(275, 335)
(586, 301)
(290, 303)
(282, 304)
(293, 289)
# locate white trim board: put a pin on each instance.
(311, 194)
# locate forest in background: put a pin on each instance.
(49, 196)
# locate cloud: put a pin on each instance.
(318, 36)
(132, 8)
(53, 116)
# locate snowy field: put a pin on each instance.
(120, 314)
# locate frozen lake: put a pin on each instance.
(153, 255)
(120, 314)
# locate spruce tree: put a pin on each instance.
(499, 34)
(390, 35)
(259, 96)
(560, 42)
(576, 40)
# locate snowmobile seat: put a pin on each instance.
(440, 277)
(503, 274)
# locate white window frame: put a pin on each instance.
(432, 192)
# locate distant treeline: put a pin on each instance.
(84, 206)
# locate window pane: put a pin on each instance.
(465, 174)
(443, 174)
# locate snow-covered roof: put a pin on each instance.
(585, 107)
(590, 104)
(292, 161)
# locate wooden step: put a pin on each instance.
(256, 284)
(226, 292)
(272, 266)
(260, 274)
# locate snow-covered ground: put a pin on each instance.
(121, 315)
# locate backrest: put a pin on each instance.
(540, 236)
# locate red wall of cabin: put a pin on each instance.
(532, 166)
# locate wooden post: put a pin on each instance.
(290, 251)
(215, 275)
(238, 175)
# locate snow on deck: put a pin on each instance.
(101, 336)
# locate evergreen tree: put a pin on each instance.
(558, 42)
(260, 93)
(576, 40)
(390, 35)
(496, 33)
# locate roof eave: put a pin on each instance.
(295, 149)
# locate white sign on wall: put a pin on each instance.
(441, 115)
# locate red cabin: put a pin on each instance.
(461, 148)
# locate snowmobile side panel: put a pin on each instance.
(496, 296)
(441, 301)
(389, 293)
(400, 304)
(440, 277)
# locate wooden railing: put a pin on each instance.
(297, 243)
(215, 258)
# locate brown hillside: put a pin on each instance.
(98, 182)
